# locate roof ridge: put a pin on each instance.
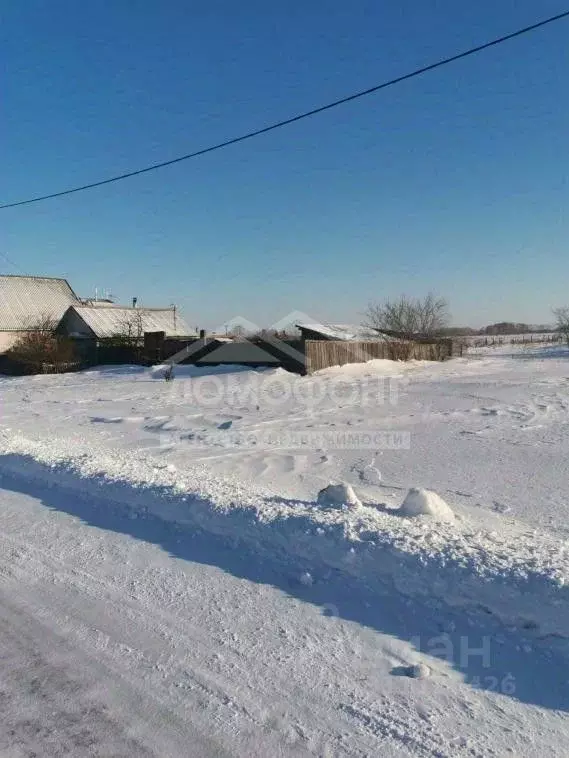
(101, 305)
(34, 276)
(24, 299)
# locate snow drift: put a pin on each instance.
(521, 582)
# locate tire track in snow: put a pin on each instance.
(82, 605)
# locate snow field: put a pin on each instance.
(214, 575)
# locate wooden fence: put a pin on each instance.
(324, 353)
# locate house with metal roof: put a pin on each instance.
(104, 321)
(26, 301)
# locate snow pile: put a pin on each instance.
(415, 671)
(421, 502)
(375, 367)
(419, 671)
(338, 496)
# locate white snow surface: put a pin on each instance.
(164, 559)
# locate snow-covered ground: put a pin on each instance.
(171, 585)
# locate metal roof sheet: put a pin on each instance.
(25, 300)
(111, 320)
(342, 331)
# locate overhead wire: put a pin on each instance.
(299, 117)
(11, 263)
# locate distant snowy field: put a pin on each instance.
(132, 507)
(513, 339)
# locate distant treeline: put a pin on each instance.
(503, 327)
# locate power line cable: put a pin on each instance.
(298, 117)
(11, 263)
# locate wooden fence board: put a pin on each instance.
(325, 353)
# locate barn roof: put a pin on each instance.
(25, 300)
(108, 321)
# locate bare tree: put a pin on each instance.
(562, 321)
(40, 344)
(409, 317)
(274, 334)
(131, 331)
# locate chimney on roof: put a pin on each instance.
(134, 302)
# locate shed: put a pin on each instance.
(344, 332)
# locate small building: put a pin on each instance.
(343, 332)
(268, 352)
(229, 352)
(27, 302)
(328, 345)
(106, 321)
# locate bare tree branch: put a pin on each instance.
(409, 317)
(131, 330)
(41, 344)
(562, 321)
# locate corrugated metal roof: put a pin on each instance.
(25, 300)
(111, 320)
(342, 331)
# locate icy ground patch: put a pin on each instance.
(128, 453)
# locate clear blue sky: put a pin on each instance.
(456, 181)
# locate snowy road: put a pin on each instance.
(59, 693)
(112, 646)
(49, 704)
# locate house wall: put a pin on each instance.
(72, 324)
(7, 339)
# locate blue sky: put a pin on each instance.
(454, 182)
